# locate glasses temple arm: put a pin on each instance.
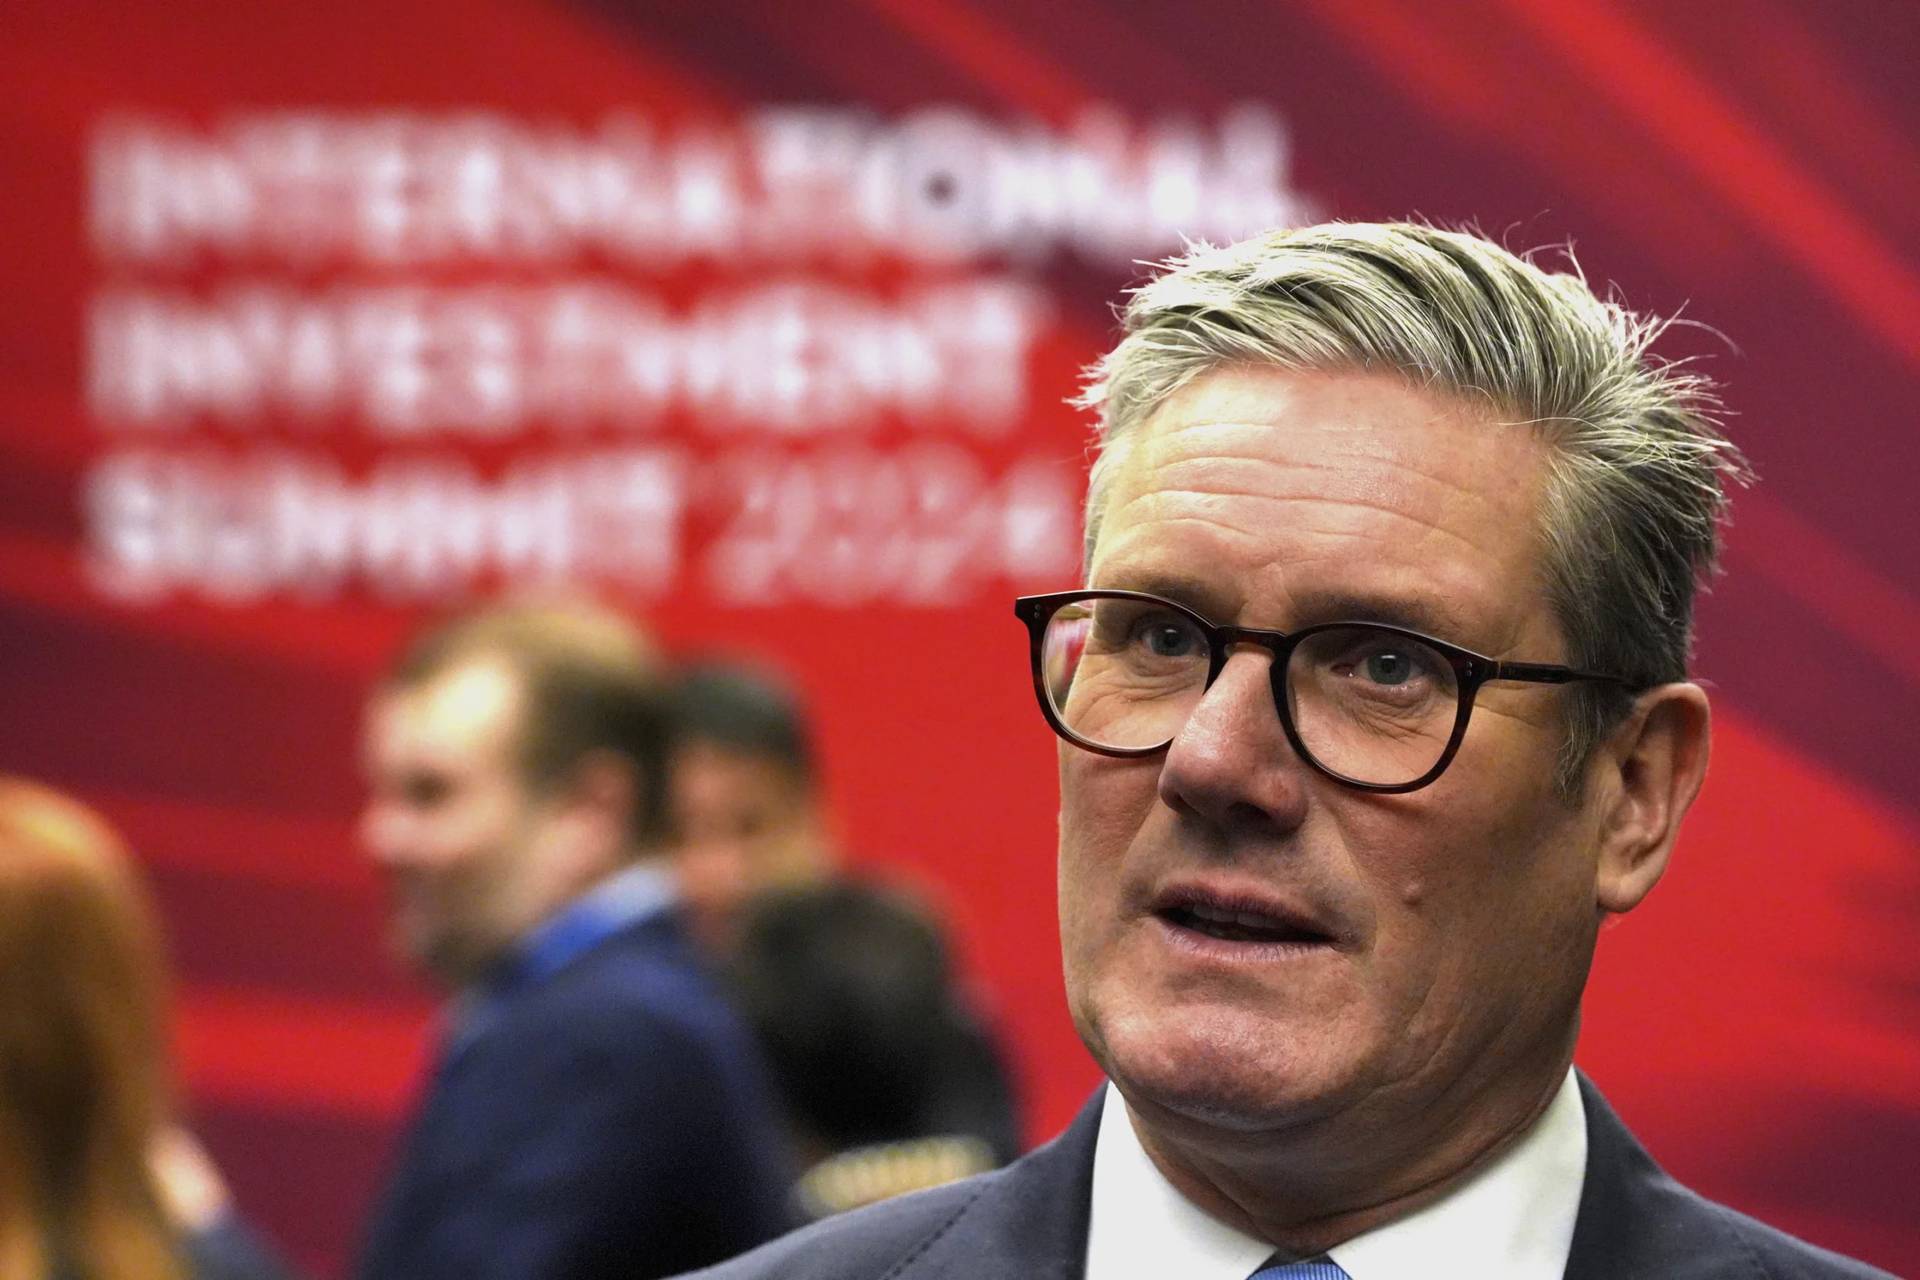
(1548, 673)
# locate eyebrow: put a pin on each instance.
(1171, 586)
(1426, 614)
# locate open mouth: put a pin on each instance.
(1238, 925)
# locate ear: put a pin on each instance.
(600, 803)
(1654, 764)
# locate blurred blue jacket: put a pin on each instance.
(597, 1110)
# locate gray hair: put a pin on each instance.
(1637, 485)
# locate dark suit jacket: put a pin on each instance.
(610, 1120)
(1029, 1222)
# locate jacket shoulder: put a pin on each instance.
(863, 1244)
(1779, 1256)
(1638, 1223)
(642, 986)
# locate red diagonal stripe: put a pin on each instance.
(269, 1050)
(1469, 68)
(1805, 562)
(1781, 201)
(348, 637)
(1830, 107)
(1781, 847)
(999, 61)
(291, 850)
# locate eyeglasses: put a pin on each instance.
(1374, 707)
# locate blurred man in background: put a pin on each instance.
(596, 1109)
(747, 806)
(889, 1077)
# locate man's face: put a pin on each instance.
(451, 821)
(747, 822)
(1449, 929)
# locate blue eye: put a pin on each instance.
(1168, 639)
(1371, 661)
(1389, 667)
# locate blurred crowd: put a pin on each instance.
(674, 1026)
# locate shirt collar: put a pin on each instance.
(1140, 1227)
(1513, 1220)
(623, 898)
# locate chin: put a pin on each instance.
(1220, 1068)
(437, 963)
(446, 959)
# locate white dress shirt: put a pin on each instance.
(1513, 1220)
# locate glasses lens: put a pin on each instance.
(1123, 673)
(1372, 705)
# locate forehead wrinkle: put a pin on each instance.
(1364, 474)
(1217, 406)
(1356, 468)
(1217, 508)
(1368, 467)
(1286, 591)
(1155, 561)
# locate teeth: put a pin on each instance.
(1245, 919)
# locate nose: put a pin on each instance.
(1231, 765)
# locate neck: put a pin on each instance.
(1308, 1188)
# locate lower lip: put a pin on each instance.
(1205, 946)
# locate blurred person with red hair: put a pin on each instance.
(96, 1180)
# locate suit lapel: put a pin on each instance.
(1028, 1222)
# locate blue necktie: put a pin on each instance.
(1320, 1268)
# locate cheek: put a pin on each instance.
(475, 849)
(1498, 901)
(1103, 805)
(466, 842)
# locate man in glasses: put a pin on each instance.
(1373, 708)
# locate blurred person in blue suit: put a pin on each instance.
(97, 1181)
(596, 1108)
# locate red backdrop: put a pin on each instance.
(761, 316)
